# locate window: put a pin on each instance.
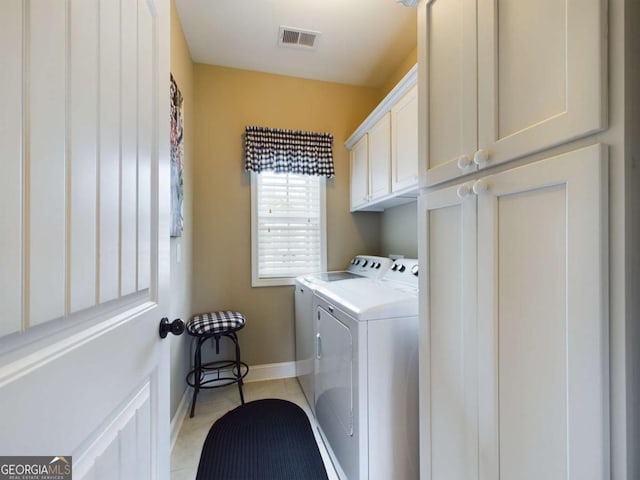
(288, 227)
(288, 219)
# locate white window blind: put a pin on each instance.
(288, 226)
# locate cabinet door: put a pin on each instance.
(380, 158)
(404, 142)
(358, 157)
(541, 74)
(448, 383)
(542, 320)
(447, 79)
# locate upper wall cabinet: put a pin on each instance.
(502, 79)
(359, 170)
(404, 142)
(380, 158)
(384, 151)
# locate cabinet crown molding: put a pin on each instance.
(400, 90)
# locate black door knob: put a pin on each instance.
(176, 327)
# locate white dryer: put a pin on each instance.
(361, 266)
(366, 374)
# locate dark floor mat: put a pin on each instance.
(267, 439)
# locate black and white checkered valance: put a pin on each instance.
(288, 151)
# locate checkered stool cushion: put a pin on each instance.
(215, 322)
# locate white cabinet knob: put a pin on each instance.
(464, 190)
(480, 186)
(464, 161)
(481, 158)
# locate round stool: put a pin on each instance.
(219, 373)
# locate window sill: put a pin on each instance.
(273, 282)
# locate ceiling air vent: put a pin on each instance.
(296, 37)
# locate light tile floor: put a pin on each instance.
(212, 404)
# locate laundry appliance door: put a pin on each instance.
(340, 375)
(305, 338)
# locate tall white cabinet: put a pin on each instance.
(504, 79)
(514, 272)
(514, 334)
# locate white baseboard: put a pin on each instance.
(271, 371)
(257, 373)
(178, 418)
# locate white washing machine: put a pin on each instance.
(366, 374)
(361, 266)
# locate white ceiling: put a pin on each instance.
(361, 41)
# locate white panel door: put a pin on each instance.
(359, 170)
(129, 147)
(84, 127)
(448, 382)
(82, 155)
(380, 158)
(109, 153)
(541, 75)
(45, 209)
(542, 320)
(404, 142)
(447, 88)
(11, 118)
(145, 147)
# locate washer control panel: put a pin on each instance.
(370, 266)
(403, 270)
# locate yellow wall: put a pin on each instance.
(181, 272)
(228, 100)
(399, 231)
(402, 69)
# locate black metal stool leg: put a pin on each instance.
(197, 375)
(238, 371)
